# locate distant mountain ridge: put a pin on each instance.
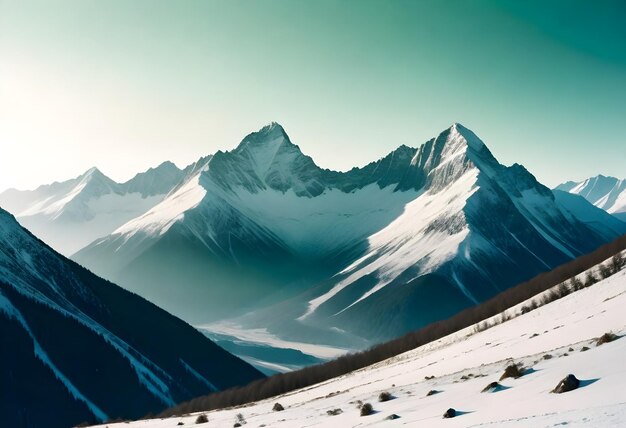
(71, 214)
(607, 193)
(369, 253)
(75, 348)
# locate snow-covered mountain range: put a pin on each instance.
(71, 214)
(365, 254)
(608, 193)
(75, 348)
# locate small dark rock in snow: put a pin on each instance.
(392, 417)
(570, 350)
(432, 392)
(334, 412)
(180, 423)
(450, 413)
(547, 357)
(583, 349)
(278, 407)
(491, 387)
(568, 383)
(237, 425)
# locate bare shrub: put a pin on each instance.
(385, 396)
(240, 419)
(606, 338)
(605, 270)
(367, 409)
(617, 263)
(512, 370)
(202, 419)
(590, 279)
(563, 289)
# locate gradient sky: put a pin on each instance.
(125, 85)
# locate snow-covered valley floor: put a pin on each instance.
(546, 341)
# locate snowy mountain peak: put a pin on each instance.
(264, 142)
(272, 134)
(606, 192)
(470, 138)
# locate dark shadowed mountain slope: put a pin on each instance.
(74, 347)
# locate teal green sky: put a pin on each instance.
(124, 85)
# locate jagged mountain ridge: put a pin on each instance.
(71, 214)
(375, 251)
(77, 348)
(608, 193)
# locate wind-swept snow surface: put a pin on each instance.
(549, 343)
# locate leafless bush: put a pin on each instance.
(617, 263)
(605, 270)
(606, 338)
(202, 419)
(512, 370)
(563, 290)
(367, 409)
(590, 279)
(385, 396)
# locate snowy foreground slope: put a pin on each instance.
(546, 341)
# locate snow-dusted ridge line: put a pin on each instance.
(608, 193)
(197, 375)
(71, 214)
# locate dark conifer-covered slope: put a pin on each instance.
(74, 347)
